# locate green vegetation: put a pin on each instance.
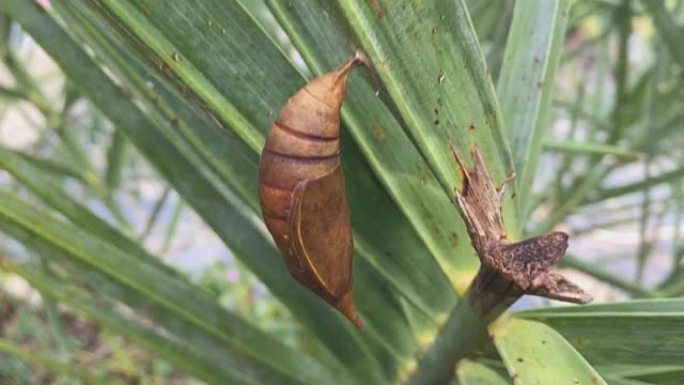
(156, 112)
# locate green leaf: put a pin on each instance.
(476, 373)
(606, 276)
(587, 148)
(319, 31)
(672, 34)
(526, 83)
(231, 219)
(116, 156)
(429, 59)
(632, 332)
(168, 43)
(672, 175)
(623, 381)
(186, 351)
(195, 86)
(39, 359)
(366, 196)
(33, 177)
(637, 373)
(201, 352)
(55, 168)
(174, 118)
(535, 354)
(27, 223)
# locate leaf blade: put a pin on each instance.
(631, 332)
(525, 86)
(445, 72)
(20, 219)
(535, 354)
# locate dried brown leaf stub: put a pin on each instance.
(555, 286)
(527, 264)
(480, 202)
(302, 193)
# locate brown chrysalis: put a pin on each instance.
(301, 190)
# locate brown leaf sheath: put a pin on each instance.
(301, 190)
(508, 269)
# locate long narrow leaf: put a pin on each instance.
(476, 373)
(319, 32)
(633, 332)
(525, 86)
(20, 219)
(214, 202)
(671, 33)
(40, 359)
(535, 354)
(428, 56)
(180, 352)
(370, 198)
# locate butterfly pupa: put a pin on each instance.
(302, 193)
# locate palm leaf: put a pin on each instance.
(196, 85)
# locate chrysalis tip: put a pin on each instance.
(347, 308)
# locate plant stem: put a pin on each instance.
(172, 227)
(587, 148)
(466, 328)
(672, 175)
(579, 193)
(154, 216)
(507, 271)
(623, 17)
(54, 320)
(646, 211)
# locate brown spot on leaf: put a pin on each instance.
(453, 239)
(379, 133)
(379, 12)
(163, 67)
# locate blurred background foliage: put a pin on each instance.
(130, 252)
